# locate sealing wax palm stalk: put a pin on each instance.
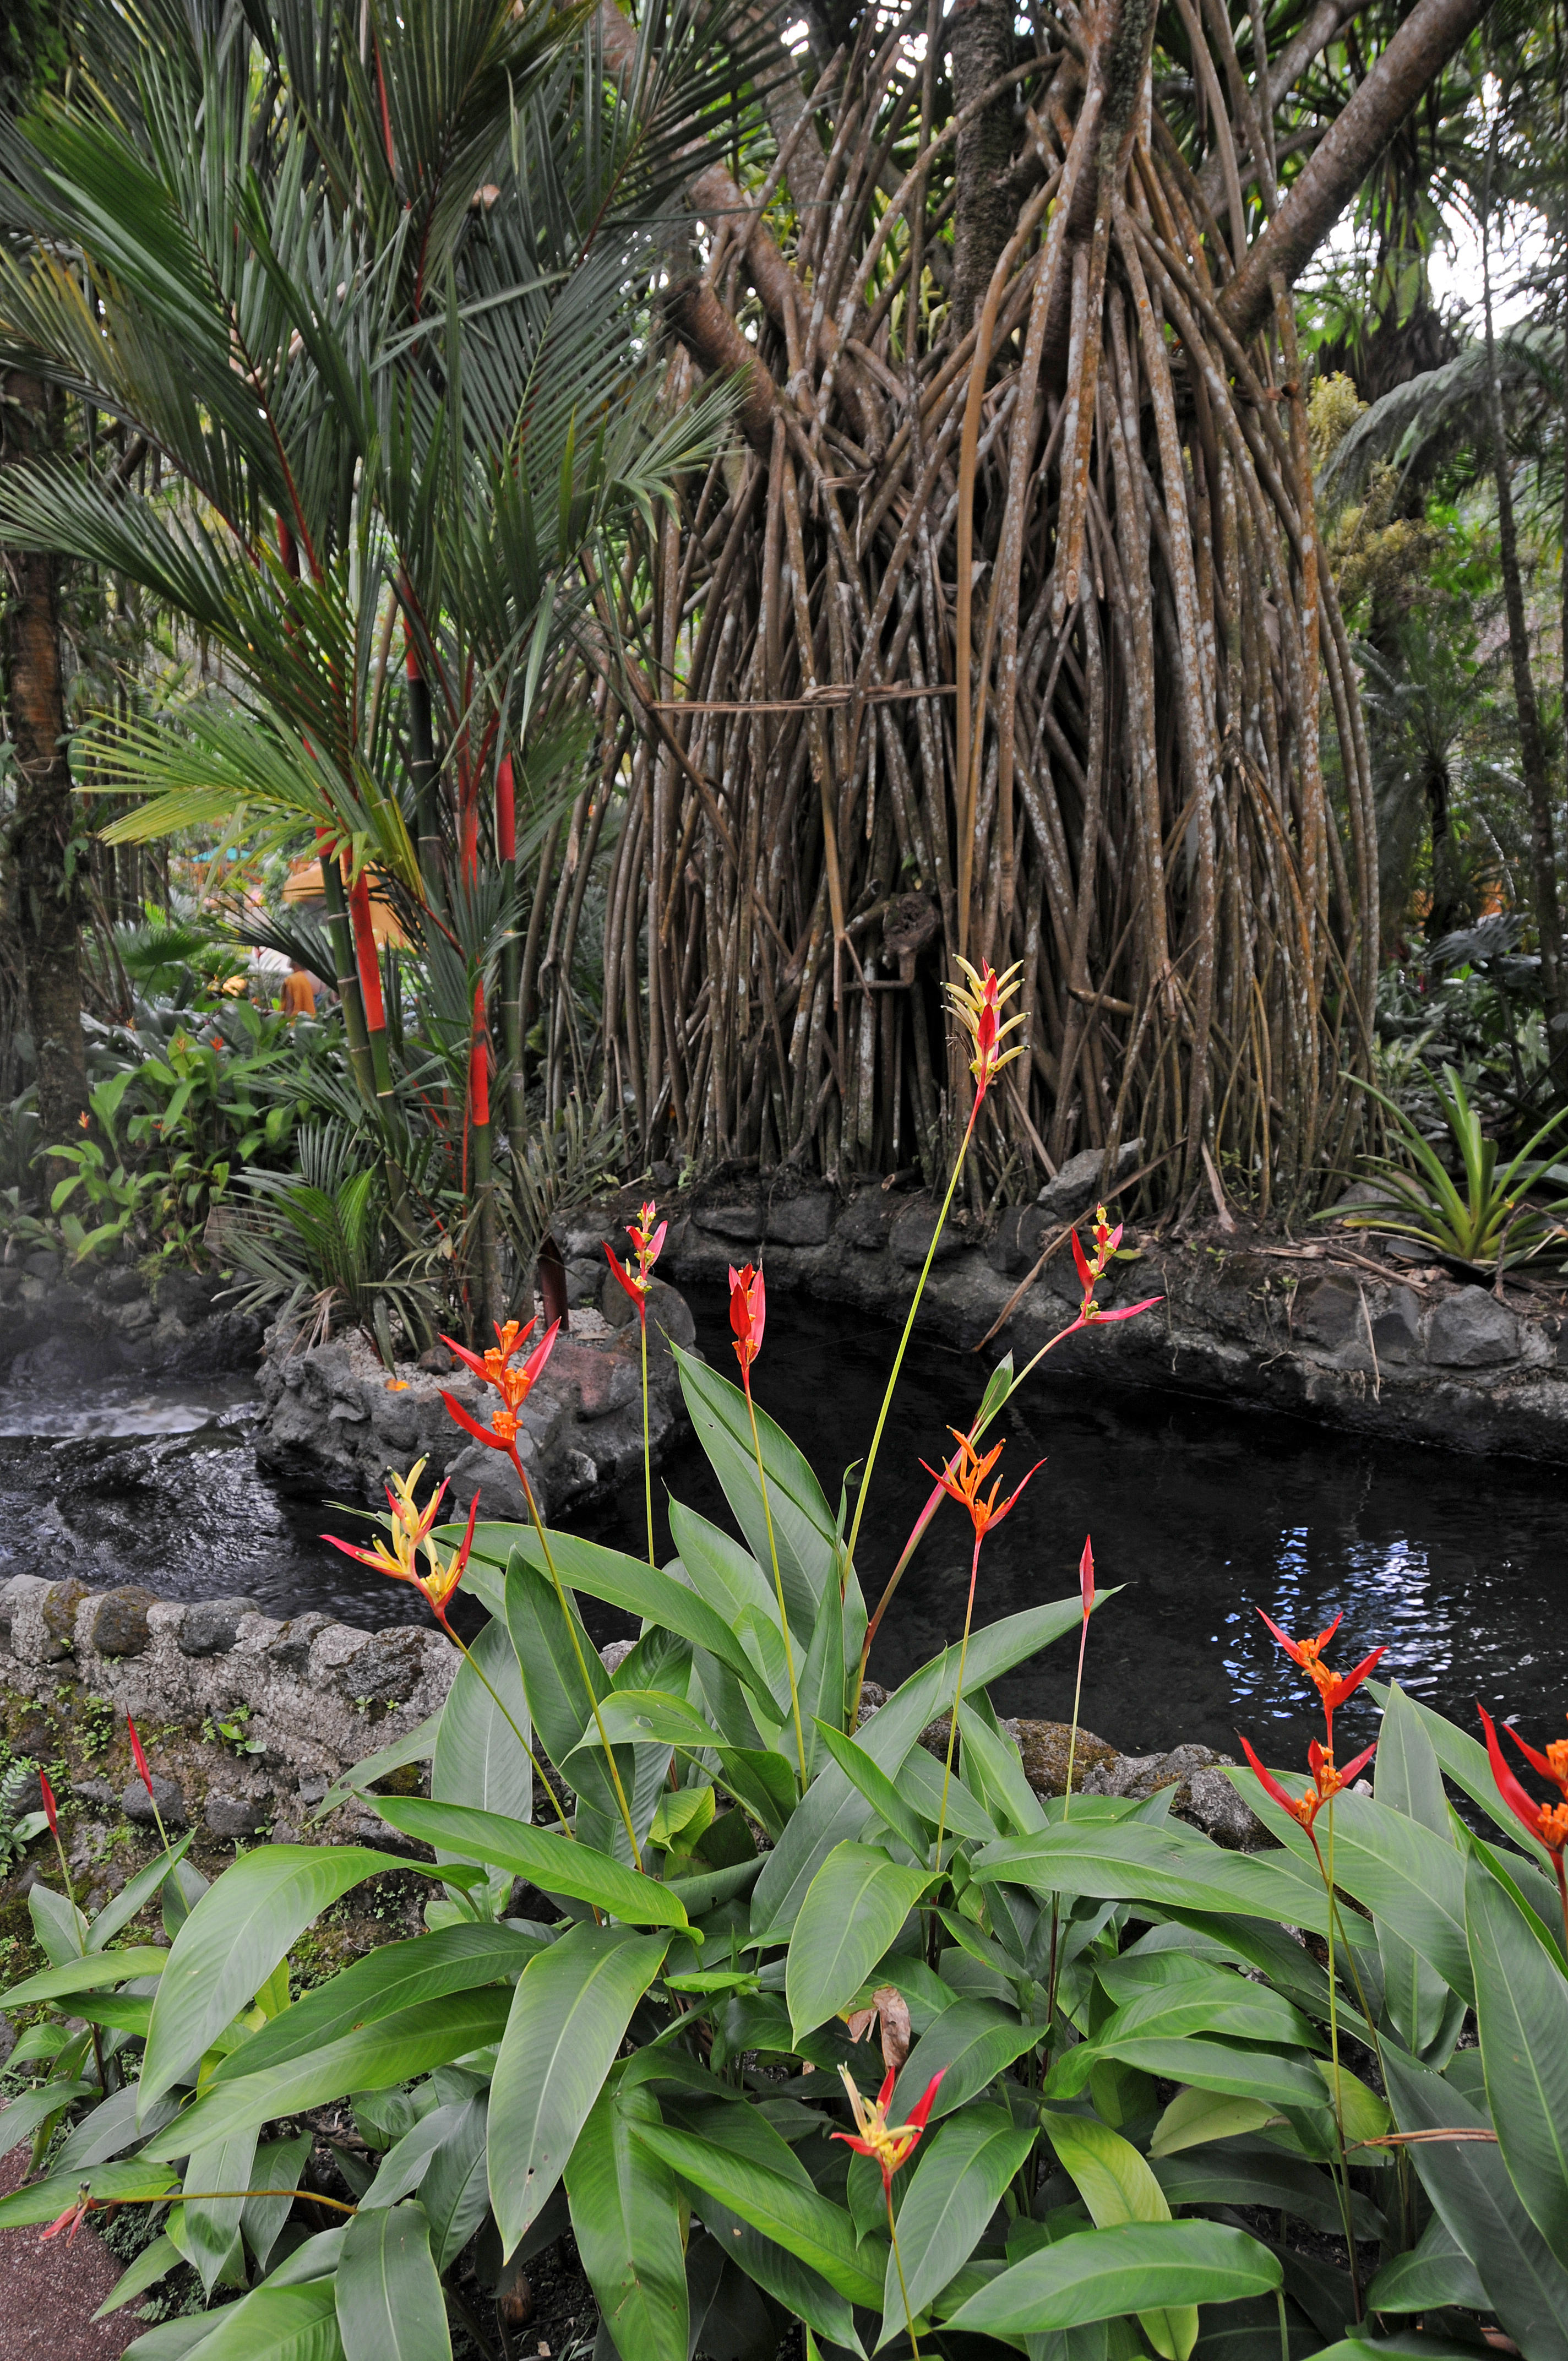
(748, 1313)
(648, 1243)
(1090, 1314)
(1333, 1690)
(494, 1368)
(413, 1530)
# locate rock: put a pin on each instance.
(1043, 1745)
(188, 1294)
(289, 1652)
(1203, 1795)
(1472, 1331)
(865, 1222)
(7, 2039)
(373, 1667)
(1397, 1330)
(41, 1264)
(914, 1226)
(670, 1315)
(613, 1654)
(29, 1795)
(210, 1628)
(96, 1792)
(742, 1223)
(137, 1803)
(1077, 1185)
(1326, 1312)
(583, 1282)
(234, 1816)
(59, 1605)
(803, 1221)
(117, 1622)
(120, 1286)
(1020, 1234)
(313, 1787)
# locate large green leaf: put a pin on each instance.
(479, 1759)
(820, 1679)
(553, 1863)
(211, 2222)
(95, 1973)
(853, 1908)
(1464, 1760)
(568, 2019)
(234, 1938)
(1432, 2276)
(1469, 2186)
(970, 2045)
(560, 1666)
(1410, 1878)
(278, 2168)
(389, 2305)
(394, 1977)
(626, 2219)
(638, 1589)
(288, 2323)
(878, 1789)
(135, 1894)
(374, 2057)
(1117, 2185)
(1139, 2267)
(1172, 1867)
(455, 2189)
(811, 2226)
(1521, 2016)
(833, 1809)
(1216, 2065)
(1244, 2171)
(804, 1528)
(957, 2186)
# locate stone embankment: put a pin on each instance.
(63, 1326)
(1340, 1327)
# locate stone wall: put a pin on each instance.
(61, 1327)
(1342, 1329)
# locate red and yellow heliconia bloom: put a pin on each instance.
(494, 1368)
(963, 1476)
(1333, 1688)
(1092, 1269)
(647, 1245)
(413, 1531)
(888, 2144)
(1547, 1823)
(978, 1004)
(748, 1315)
(1327, 1782)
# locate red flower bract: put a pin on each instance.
(1327, 1780)
(973, 1471)
(514, 1386)
(1333, 1688)
(889, 2145)
(137, 1757)
(648, 1245)
(1547, 1823)
(748, 1313)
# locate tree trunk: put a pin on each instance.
(1532, 743)
(49, 860)
(980, 36)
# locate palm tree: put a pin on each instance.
(376, 284)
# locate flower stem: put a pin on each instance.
(898, 2265)
(958, 1700)
(478, 1670)
(647, 1454)
(904, 1339)
(778, 1579)
(576, 1649)
(1327, 1868)
(1072, 1740)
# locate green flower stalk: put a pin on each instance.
(649, 1244)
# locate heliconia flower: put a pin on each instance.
(1326, 1781)
(978, 1006)
(50, 1815)
(143, 1773)
(1333, 1688)
(1547, 1823)
(1553, 1764)
(70, 2221)
(413, 1531)
(1092, 1268)
(748, 1312)
(514, 1386)
(889, 2145)
(964, 1485)
(1085, 1571)
(649, 1244)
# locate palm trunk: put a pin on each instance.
(50, 862)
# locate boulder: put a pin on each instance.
(1326, 1312)
(211, 1627)
(290, 1651)
(803, 1221)
(1397, 1330)
(1077, 1185)
(865, 1222)
(59, 1605)
(1203, 1795)
(914, 1226)
(742, 1223)
(116, 1620)
(1472, 1331)
(234, 1816)
(1043, 1746)
(137, 1803)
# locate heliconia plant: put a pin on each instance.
(1143, 2094)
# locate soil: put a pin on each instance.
(49, 2293)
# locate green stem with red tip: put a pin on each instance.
(958, 1700)
(778, 1578)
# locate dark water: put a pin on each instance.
(1202, 1513)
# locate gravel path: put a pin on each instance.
(48, 2294)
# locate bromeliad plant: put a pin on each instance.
(1135, 2080)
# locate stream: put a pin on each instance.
(1202, 1513)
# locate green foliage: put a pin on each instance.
(1480, 1215)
